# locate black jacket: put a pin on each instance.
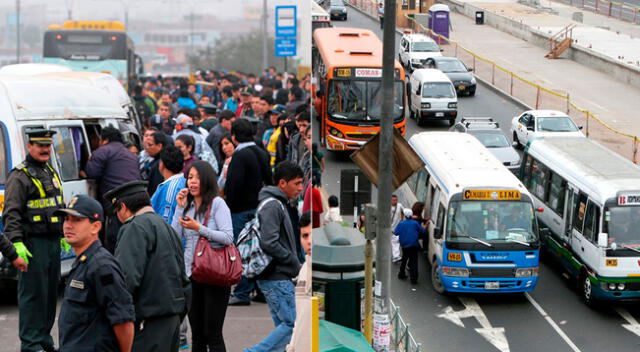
(247, 173)
(7, 250)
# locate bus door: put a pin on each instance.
(70, 155)
(572, 194)
(586, 225)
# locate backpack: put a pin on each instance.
(254, 260)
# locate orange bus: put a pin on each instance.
(347, 64)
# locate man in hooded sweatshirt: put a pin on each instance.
(278, 240)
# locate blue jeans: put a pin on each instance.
(244, 288)
(281, 298)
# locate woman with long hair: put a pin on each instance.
(201, 212)
(226, 151)
(187, 145)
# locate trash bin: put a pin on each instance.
(479, 17)
(338, 273)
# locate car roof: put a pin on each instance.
(418, 37)
(547, 113)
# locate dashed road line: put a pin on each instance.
(552, 323)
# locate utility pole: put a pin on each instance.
(385, 170)
(17, 31)
(265, 35)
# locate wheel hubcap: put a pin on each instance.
(587, 288)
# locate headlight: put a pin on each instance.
(473, 80)
(621, 287)
(453, 271)
(527, 272)
(612, 286)
(453, 105)
(335, 132)
(426, 105)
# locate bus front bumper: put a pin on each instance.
(337, 144)
(489, 285)
(630, 293)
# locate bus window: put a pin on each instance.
(526, 174)
(556, 193)
(440, 218)
(427, 203)
(591, 221)
(67, 155)
(580, 209)
(539, 178)
(421, 186)
(4, 160)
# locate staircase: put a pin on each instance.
(560, 42)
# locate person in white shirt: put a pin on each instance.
(396, 217)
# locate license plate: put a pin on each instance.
(461, 87)
(491, 285)
(439, 114)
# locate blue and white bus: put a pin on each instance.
(95, 46)
(482, 229)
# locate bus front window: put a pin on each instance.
(623, 225)
(361, 100)
(491, 222)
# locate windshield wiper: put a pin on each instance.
(477, 240)
(519, 242)
(631, 248)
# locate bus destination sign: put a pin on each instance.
(487, 194)
(629, 199)
(369, 72)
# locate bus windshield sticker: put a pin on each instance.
(369, 72)
(482, 194)
(612, 262)
(454, 257)
(344, 72)
(629, 199)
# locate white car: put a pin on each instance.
(540, 123)
(415, 49)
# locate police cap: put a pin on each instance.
(124, 190)
(83, 206)
(210, 109)
(40, 136)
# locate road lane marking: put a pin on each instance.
(495, 336)
(632, 325)
(3, 317)
(552, 323)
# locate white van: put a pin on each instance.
(432, 96)
(77, 111)
(415, 49)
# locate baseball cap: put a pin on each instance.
(83, 206)
(184, 120)
(278, 109)
(408, 213)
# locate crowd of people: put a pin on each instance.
(214, 154)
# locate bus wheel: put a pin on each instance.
(586, 288)
(436, 281)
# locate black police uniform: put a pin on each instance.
(95, 299)
(152, 260)
(33, 192)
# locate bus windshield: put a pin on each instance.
(85, 46)
(623, 224)
(361, 100)
(438, 90)
(491, 222)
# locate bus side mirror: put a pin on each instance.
(437, 233)
(603, 239)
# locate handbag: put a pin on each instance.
(215, 266)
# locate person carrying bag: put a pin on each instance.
(211, 261)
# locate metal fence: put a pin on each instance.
(401, 338)
(620, 10)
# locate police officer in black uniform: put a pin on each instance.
(152, 260)
(97, 311)
(33, 193)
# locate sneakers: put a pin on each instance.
(184, 344)
(402, 276)
(259, 299)
(234, 301)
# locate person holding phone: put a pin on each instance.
(202, 212)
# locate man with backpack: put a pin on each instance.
(277, 240)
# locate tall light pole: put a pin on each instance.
(18, 31)
(265, 35)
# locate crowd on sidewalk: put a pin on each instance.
(215, 154)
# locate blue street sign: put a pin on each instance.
(285, 47)
(286, 21)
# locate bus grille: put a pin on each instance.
(360, 135)
(492, 272)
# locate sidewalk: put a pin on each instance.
(245, 326)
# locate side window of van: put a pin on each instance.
(580, 210)
(557, 191)
(421, 186)
(70, 149)
(4, 156)
(440, 218)
(526, 174)
(592, 221)
(539, 179)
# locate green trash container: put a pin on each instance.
(336, 338)
(338, 273)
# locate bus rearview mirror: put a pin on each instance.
(603, 239)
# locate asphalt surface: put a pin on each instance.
(552, 318)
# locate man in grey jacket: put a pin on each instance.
(278, 240)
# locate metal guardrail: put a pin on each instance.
(401, 338)
(526, 91)
(620, 10)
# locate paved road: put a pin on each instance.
(552, 318)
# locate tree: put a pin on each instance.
(242, 53)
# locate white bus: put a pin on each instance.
(482, 232)
(591, 201)
(319, 17)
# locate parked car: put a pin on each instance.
(540, 123)
(461, 76)
(337, 10)
(488, 132)
(415, 49)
